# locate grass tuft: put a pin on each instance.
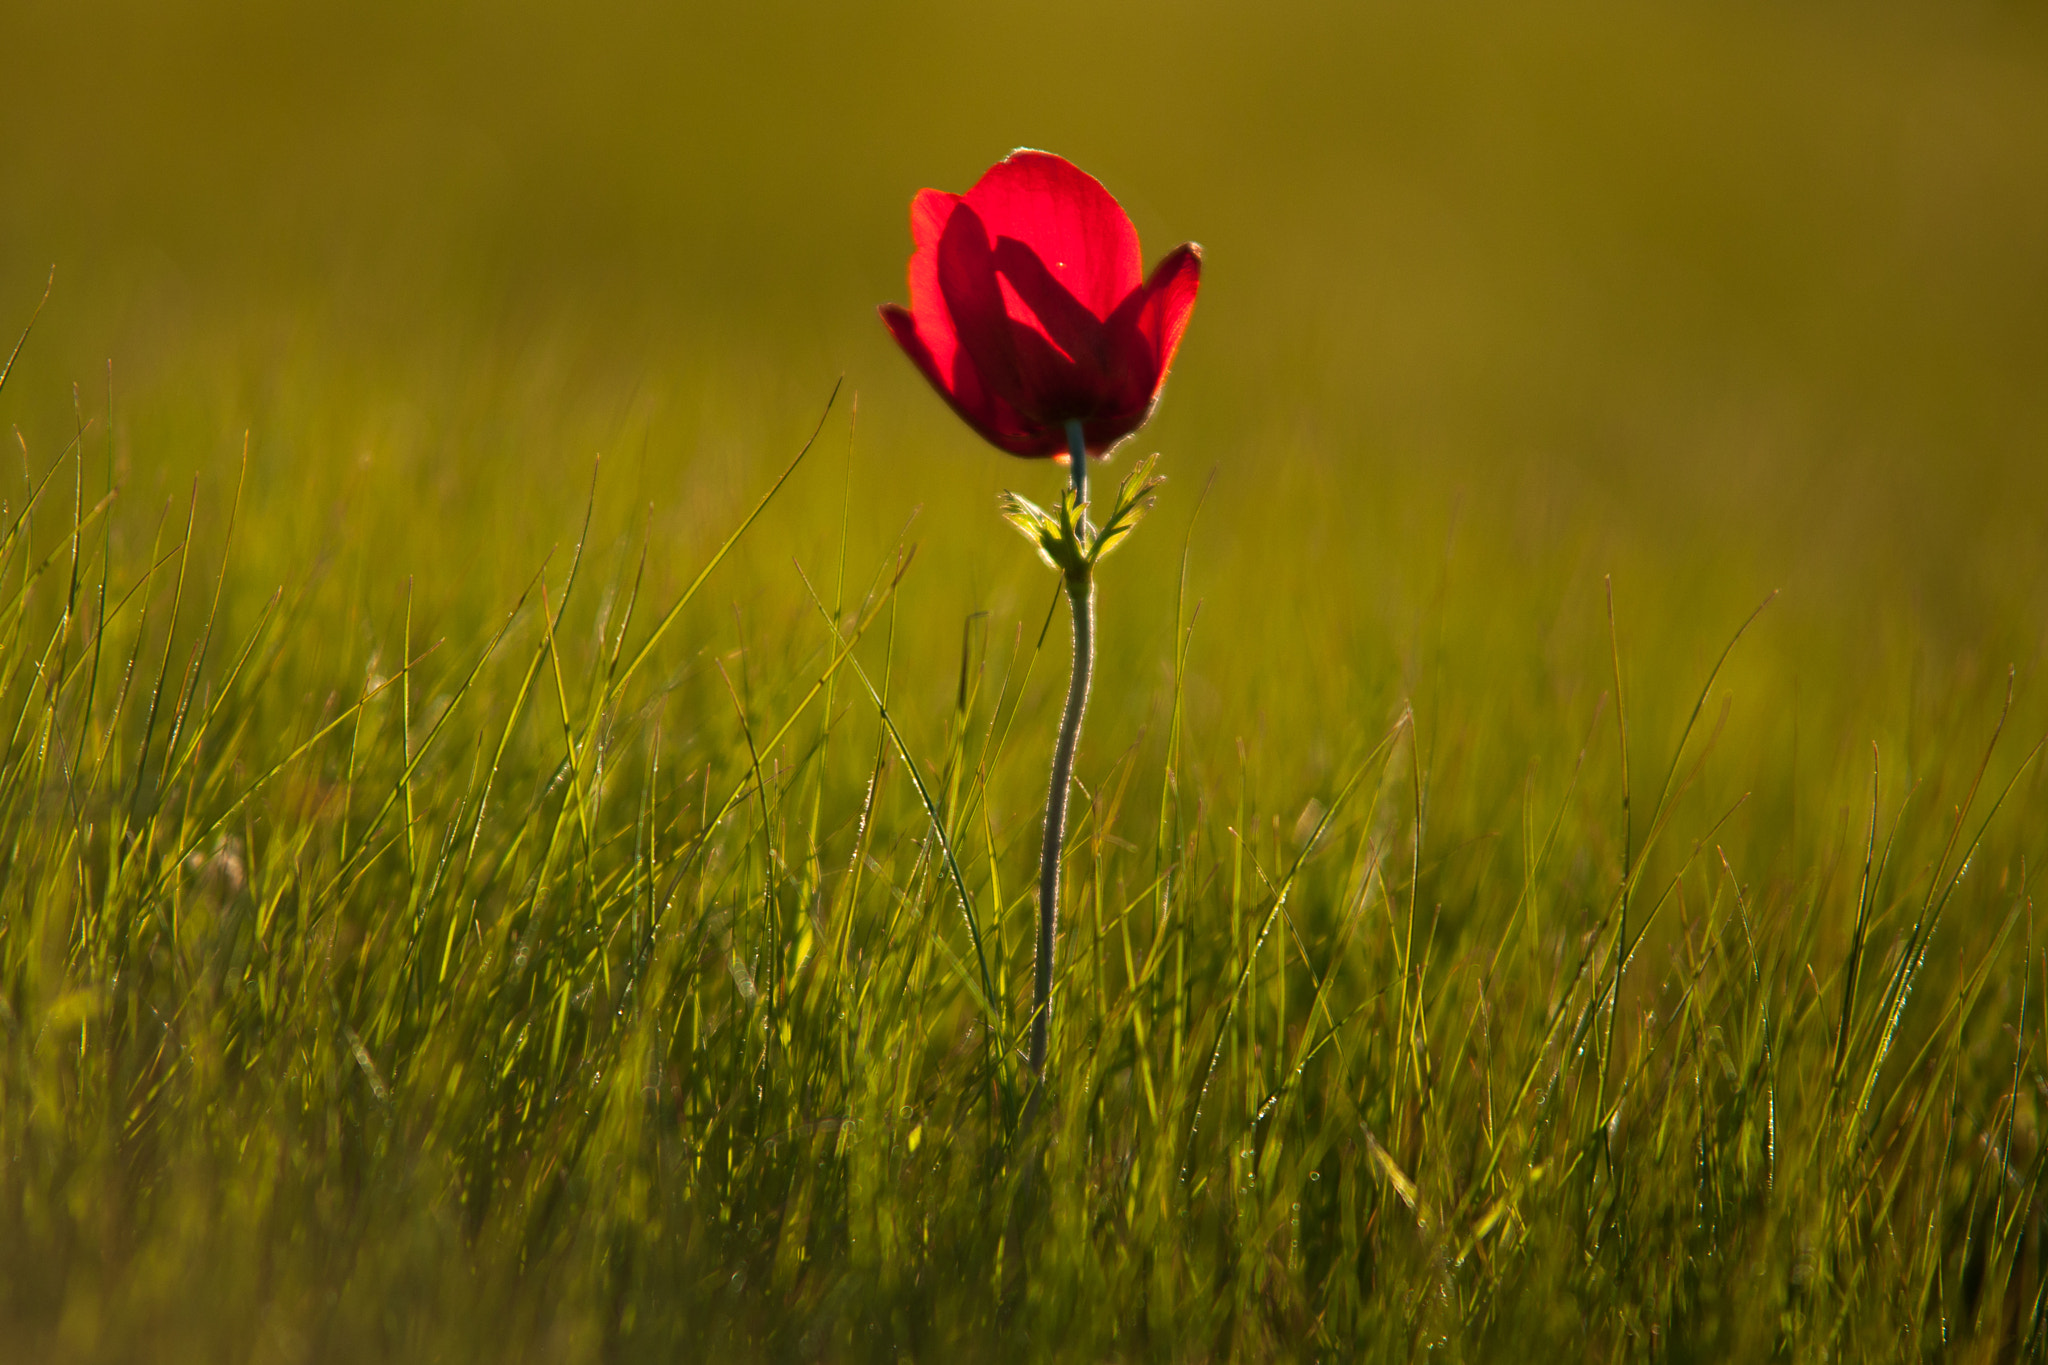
(628, 980)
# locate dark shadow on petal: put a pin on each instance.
(991, 418)
(974, 299)
(1137, 362)
(1050, 387)
(1066, 320)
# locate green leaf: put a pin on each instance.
(1054, 538)
(1134, 498)
(1031, 521)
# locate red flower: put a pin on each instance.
(1028, 306)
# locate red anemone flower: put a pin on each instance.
(1029, 307)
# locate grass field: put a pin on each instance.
(472, 889)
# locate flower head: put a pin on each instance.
(1029, 307)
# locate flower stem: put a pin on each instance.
(1081, 609)
(1077, 460)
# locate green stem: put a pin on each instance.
(1081, 604)
(1077, 460)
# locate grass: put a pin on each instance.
(463, 900)
(590, 985)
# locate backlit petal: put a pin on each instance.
(1037, 298)
(1064, 216)
(1028, 310)
(974, 301)
(960, 385)
(929, 213)
(1169, 301)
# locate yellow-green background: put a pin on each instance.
(1499, 299)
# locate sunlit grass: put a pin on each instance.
(594, 977)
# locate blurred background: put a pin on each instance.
(1501, 300)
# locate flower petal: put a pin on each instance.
(1120, 392)
(1049, 307)
(1028, 309)
(1143, 335)
(961, 387)
(1068, 219)
(929, 213)
(1169, 302)
(973, 299)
